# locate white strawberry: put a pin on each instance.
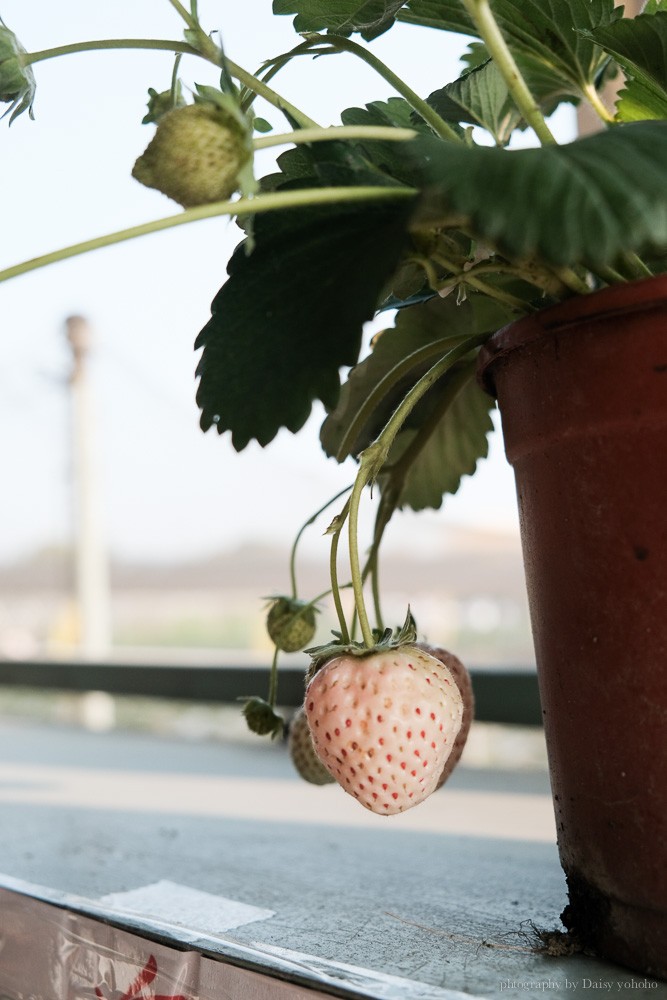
(384, 724)
(464, 684)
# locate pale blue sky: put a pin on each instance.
(170, 491)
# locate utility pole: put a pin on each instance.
(91, 560)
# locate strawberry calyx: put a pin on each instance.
(404, 635)
(261, 717)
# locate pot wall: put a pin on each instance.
(582, 390)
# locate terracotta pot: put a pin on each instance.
(582, 391)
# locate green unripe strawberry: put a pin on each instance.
(291, 624)
(196, 155)
(302, 752)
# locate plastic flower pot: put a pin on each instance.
(582, 392)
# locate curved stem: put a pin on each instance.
(243, 206)
(384, 386)
(273, 679)
(598, 105)
(333, 573)
(355, 564)
(306, 524)
(109, 43)
(487, 26)
(373, 458)
(438, 124)
(383, 133)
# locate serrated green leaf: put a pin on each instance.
(454, 446)
(438, 324)
(342, 17)
(544, 35)
(578, 203)
(640, 48)
(386, 157)
(479, 97)
(291, 314)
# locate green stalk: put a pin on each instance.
(333, 572)
(209, 51)
(273, 679)
(109, 43)
(598, 105)
(243, 206)
(385, 385)
(439, 126)
(374, 457)
(383, 133)
(487, 27)
(469, 278)
(306, 524)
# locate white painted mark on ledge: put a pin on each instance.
(172, 903)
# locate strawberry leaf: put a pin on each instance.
(453, 434)
(543, 35)
(291, 314)
(369, 17)
(565, 205)
(640, 47)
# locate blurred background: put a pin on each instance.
(183, 538)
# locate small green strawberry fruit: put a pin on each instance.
(302, 752)
(291, 624)
(196, 155)
(262, 719)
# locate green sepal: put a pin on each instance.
(159, 103)
(405, 635)
(17, 80)
(261, 717)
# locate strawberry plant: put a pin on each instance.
(415, 206)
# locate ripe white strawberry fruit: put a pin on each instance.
(384, 724)
(464, 684)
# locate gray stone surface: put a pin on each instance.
(452, 912)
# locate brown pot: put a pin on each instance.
(582, 391)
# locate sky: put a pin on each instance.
(170, 491)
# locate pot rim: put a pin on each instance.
(615, 300)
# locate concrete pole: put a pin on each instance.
(91, 560)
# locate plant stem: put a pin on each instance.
(333, 573)
(571, 280)
(598, 105)
(439, 126)
(637, 266)
(273, 680)
(243, 206)
(487, 26)
(373, 458)
(306, 524)
(209, 51)
(355, 565)
(109, 43)
(383, 133)
(469, 278)
(212, 52)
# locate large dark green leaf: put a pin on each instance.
(452, 434)
(640, 47)
(342, 17)
(545, 35)
(291, 314)
(386, 157)
(587, 202)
